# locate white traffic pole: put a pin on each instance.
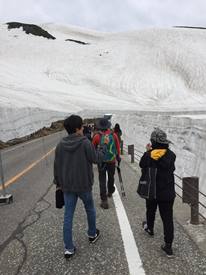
(5, 198)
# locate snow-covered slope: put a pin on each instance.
(142, 70)
(146, 78)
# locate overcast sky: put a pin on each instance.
(106, 15)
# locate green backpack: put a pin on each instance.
(111, 147)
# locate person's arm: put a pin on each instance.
(95, 155)
(145, 160)
(117, 144)
(96, 140)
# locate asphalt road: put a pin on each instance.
(31, 227)
(29, 188)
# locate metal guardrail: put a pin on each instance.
(190, 186)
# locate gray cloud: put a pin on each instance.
(107, 15)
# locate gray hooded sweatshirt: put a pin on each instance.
(74, 156)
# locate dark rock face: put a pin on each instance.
(3, 145)
(189, 27)
(77, 41)
(30, 29)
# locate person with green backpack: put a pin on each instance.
(108, 165)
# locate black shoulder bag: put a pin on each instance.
(59, 198)
(147, 183)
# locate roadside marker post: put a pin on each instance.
(4, 198)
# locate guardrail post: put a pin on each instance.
(131, 152)
(190, 187)
(121, 147)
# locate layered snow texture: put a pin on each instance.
(187, 134)
(146, 78)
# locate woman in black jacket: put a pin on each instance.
(159, 155)
(118, 131)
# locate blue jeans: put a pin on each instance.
(70, 201)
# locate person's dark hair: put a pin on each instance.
(72, 123)
(156, 145)
(116, 127)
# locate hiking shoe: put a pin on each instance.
(109, 195)
(68, 254)
(104, 204)
(146, 229)
(94, 239)
(167, 248)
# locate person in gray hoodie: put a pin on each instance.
(73, 174)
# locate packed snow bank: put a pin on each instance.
(153, 69)
(30, 119)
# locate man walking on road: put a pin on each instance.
(73, 173)
(108, 165)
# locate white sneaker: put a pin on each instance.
(69, 254)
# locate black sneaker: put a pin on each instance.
(167, 248)
(146, 229)
(104, 204)
(94, 239)
(68, 254)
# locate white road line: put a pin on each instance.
(131, 250)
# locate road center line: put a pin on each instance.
(27, 169)
(131, 250)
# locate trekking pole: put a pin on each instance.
(121, 181)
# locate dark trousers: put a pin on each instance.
(166, 213)
(104, 186)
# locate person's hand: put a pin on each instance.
(148, 147)
(118, 158)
